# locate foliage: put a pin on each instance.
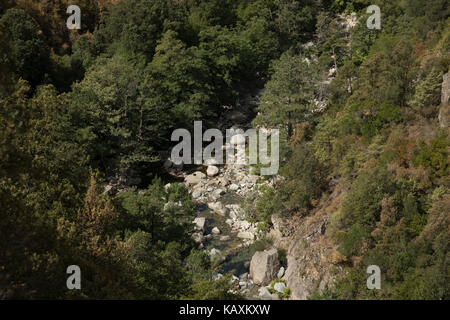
(288, 97)
(29, 57)
(433, 156)
(428, 93)
(82, 108)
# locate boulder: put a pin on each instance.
(218, 208)
(108, 189)
(225, 238)
(245, 225)
(280, 227)
(223, 181)
(279, 286)
(264, 266)
(196, 194)
(200, 223)
(215, 230)
(194, 178)
(246, 235)
(217, 277)
(234, 187)
(280, 272)
(217, 193)
(212, 171)
(198, 237)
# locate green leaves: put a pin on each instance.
(428, 93)
(433, 157)
(288, 98)
(29, 54)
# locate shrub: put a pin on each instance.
(287, 291)
(433, 156)
(305, 181)
(282, 255)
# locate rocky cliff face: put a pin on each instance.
(444, 112)
(312, 259)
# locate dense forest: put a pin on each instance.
(363, 138)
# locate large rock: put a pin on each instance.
(195, 178)
(196, 194)
(218, 208)
(280, 227)
(280, 273)
(264, 266)
(200, 223)
(198, 237)
(243, 224)
(444, 112)
(279, 286)
(212, 171)
(217, 193)
(246, 235)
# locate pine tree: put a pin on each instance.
(288, 98)
(428, 92)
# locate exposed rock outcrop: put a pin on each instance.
(311, 254)
(444, 111)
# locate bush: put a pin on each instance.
(433, 156)
(305, 181)
(354, 240)
(282, 255)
